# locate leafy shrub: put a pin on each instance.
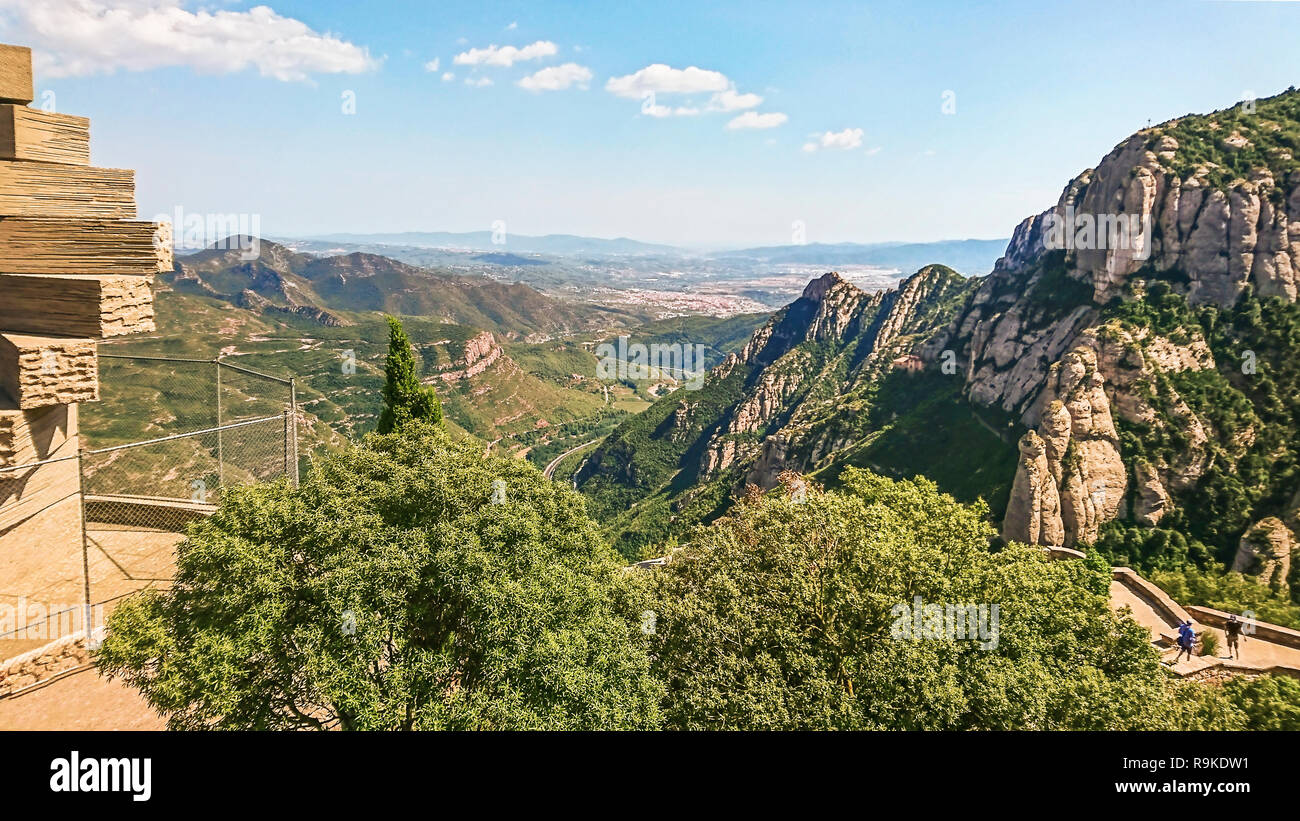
(784, 615)
(390, 592)
(1268, 702)
(1209, 643)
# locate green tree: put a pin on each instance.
(410, 583)
(405, 399)
(786, 615)
(1269, 702)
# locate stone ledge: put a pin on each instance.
(1274, 633)
(1153, 595)
(43, 663)
(37, 371)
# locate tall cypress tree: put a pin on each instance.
(405, 399)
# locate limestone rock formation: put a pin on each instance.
(1034, 510)
(1152, 498)
(770, 464)
(481, 352)
(1076, 449)
(1219, 238)
(1265, 552)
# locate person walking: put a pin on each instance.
(1186, 639)
(1233, 631)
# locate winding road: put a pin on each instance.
(549, 470)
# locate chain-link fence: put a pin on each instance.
(160, 483)
(99, 516)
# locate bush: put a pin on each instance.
(389, 591)
(1209, 643)
(792, 615)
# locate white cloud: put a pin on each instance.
(556, 78)
(871, 152)
(660, 111)
(512, 26)
(752, 119)
(495, 55)
(845, 140)
(661, 79)
(433, 64)
(447, 76)
(478, 82)
(729, 100)
(74, 38)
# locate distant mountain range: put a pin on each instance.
(323, 289)
(967, 256)
(973, 257)
(564, 244)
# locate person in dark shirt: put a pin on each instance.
(1233, 631)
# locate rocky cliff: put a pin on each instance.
(1137, 340)
(1200, 217)
(1209, 208)
(813, 354)
(481, 352)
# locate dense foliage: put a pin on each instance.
(1230, 592)
(914, 423)
(1268, 702)
(411, 583)
(1268, 126)
(1250, 405)
(414, 583)
(785, 615)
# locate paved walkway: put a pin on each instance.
(1254, 652)
(80, 701)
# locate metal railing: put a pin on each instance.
(213, 424)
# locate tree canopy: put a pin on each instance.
(405, 399)
(788, 615)
(409, 583)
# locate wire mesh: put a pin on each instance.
(162, 483)
(167, 437)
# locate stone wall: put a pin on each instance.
(43, 664)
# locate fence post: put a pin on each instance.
(293, 415)
(288, 434)
(85, 548)
(221, 462)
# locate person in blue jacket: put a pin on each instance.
(1186, 639)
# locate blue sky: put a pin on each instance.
(222, 108)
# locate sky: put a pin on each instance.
(699, 124)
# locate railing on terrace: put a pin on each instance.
(167, 438)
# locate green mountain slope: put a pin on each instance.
(795, 397)
(320, 288)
